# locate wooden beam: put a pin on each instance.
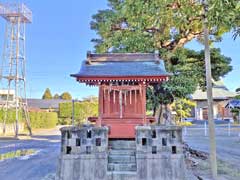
(144, 103)
(130, 95)
(100, 107)
(95, 79)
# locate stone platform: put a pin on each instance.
(156, 153)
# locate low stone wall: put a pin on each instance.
(83, 153)
(158, 152)
(10, 128)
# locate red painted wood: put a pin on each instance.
(122, 130)
(144, 103)
(149, 119)
(122, 118)
(100, 107)
(122, 125)
(95, 79)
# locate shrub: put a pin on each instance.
(64, 121)
(43, 119)
(10, 116)
(184, 124)
(37, 119)
(82, 110)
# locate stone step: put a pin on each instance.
(121, 159)
(122, 144)
(121, 175)
(122, 167)
(122, 152)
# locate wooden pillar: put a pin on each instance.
(108, 97)
(130, 96)
(135, 101)
(144, 103)
(100, 105)
(120, 104)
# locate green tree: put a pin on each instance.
(238, 89)
(47, 94)
(237, 97)
(56, 96)
(82, 110)
(144, 26)
(186, 63)
(183, 108)
(66, 96)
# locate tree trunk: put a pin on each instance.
(167, 115)
(154, 111)
(212, 142)
(158, 115)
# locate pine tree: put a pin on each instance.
(56, 96)
(66, 96)
(47, 94)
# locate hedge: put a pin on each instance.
(37, 119)
(43, 119)
(10, 116)
(82, 110)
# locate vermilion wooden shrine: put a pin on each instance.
(122, 79)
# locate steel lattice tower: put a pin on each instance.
(13, 63)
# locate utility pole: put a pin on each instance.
(73, 112)
(211, 125)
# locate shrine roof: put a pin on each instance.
(122, 65)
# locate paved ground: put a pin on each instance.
(228, 149)
(228, 146)
(37, 166)
(47, 143)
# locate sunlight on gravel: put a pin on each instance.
(49, 177)
(22, 154)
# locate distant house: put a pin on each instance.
(221, 96)
(234, 104)
(45, 104)
(3, 97)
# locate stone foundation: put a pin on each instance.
(155, 154)
(159, 153)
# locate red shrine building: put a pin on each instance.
(122, 79)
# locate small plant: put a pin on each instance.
(184, 124)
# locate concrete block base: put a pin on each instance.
(155, 154)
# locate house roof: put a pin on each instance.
(45, 103)
(122, 65)
(220, 92)
(235, 103)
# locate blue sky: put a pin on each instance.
(60, 36)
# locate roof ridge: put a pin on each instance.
(122, 57)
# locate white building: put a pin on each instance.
(4, 94)
(221, 96)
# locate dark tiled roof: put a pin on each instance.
(125, 64)
(45, 103)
